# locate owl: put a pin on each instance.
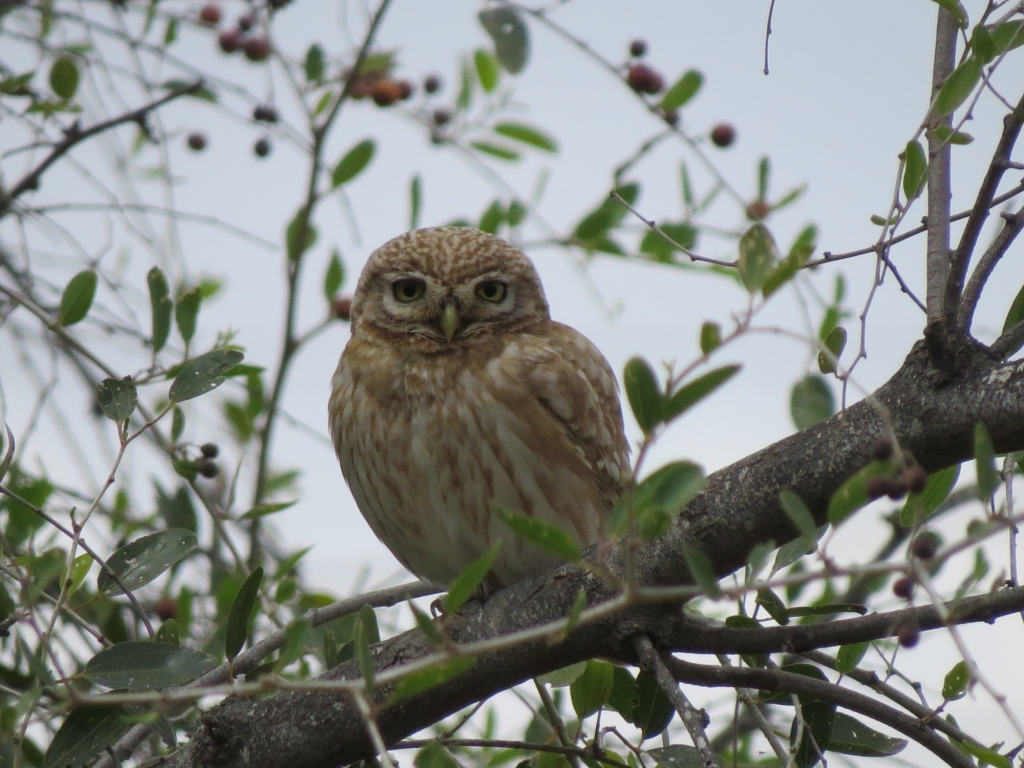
(457, 390)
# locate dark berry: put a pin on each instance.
(246, 21)
(758, 210)
(903, 587)
(432, 84)
(208, 467)
(908, 634)
(210, 15)
(230, 40)
(916, 478)
(881, 449)
(897, 489)
(925, 545)
(877, 487)
(363, 86)
(262, 147)
(643, 79)
(257, 48)
(671, 116)
(264, 113)
(209, 450)
(723, 135)
(386, 92)
(197, 141)
(638, 48)
(166, 608)
(405, 89)
(342, 307)
(442, 116)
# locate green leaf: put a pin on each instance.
(138, 563)
(241, 614)
(819, 719)
(684, 235)
(798, 514)
(576, 612)
(688, 396)
(1015, 316)
(764, 168)
(985, 464)
(143, 665)
(985, 756)
(982, 44)
(431, 677)
(493, 218)
(85, 733)
(915, 169)
(64, 77)
(701, 570)
(495, 150)
(852, 737)
(262, 510)
(684, 89)
(510, 35)
(17, 84)
(161, 307)
(710, 337)
(644, 394)
(564, 677)
(681, 756)
(297, 635)
(773, 604)
(515, 214)
(623, 698)
(853, 494)
(314, 64)
(954, 686)
(607, 215)
(958, 86)
(168, 633)
(117, 398)
(186, 311)
(790, 553)
(591, 690)
(849, 656)
(673, 486)
(486, 69)
(955, 8)
(920, 506)
(364, 635)
(203, 374)
(758, 254)
(465, 583)
(177, 424)
(415, 201)
(1008, 36)
(77, 298)
(426, 624)
(947, 134)
(653, 711)
(334, 276)
(300, 235)
(827, 609)
(353, 163)
(545, 535)
(527, 134)
(798, 255)
(170, 32)
(202, 92)
(835, 343)
(811, 401)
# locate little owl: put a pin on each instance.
(457, 389)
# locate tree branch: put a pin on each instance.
(932, 418)
(789, 682)
(1012, 226)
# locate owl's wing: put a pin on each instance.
(575, 384)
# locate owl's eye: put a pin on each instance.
(408, 289)
(492, 290)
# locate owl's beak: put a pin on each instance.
(450, 320)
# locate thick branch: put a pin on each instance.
(789, 682)
(932, 417)
(938, 171)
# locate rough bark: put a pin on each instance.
(932, 415)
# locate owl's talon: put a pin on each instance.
(437, 607)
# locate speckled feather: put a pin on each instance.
(514, 408)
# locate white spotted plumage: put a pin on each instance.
(512, 408)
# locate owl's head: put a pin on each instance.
(448, 285)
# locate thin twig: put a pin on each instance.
(1012, 226)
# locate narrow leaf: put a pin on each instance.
(798, 513)
(353, 162)
(528, 135)
(915, 169)
(431, 677)
(849, 656)
(691, 394)
(985, 464)
(958, 86)
(710, 337)
(334, 276)
(85, 733)
(684, 89)
(415, 201)
(644, 394)
(186, 311)
(811, 401)
(77, 298)
(138, 563)
(465, 583)
(548, 537)
(117, 398)
(495, 150)
(773, 604)
(701, 570)
(852, 737)
(364, 635)
(161, 307)
(920, 506)
(486, 69)
(241, 614)
(758, 254)
(426, 624)
(143, 665)
(853, 494)
(954, 686)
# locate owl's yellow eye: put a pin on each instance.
(408, 289)
(492, 290)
